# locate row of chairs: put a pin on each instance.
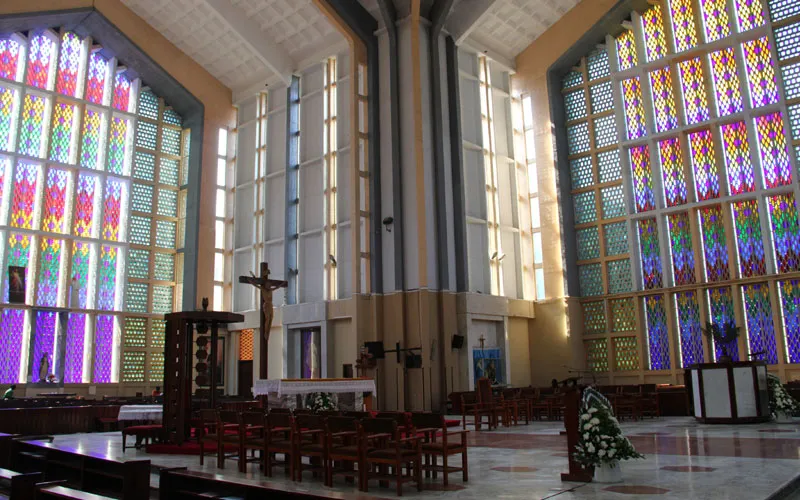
(507, 407)
(390, 447)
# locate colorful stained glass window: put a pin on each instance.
(619, 276)
(12, 329)
(31, 130)
(695, 99)
(23, 201)
(65, 120)
(642, 178)
(10, 66)
(657, 336)
(83, 217)
(112, 200)
(749, 14)
(596, 355)
(594, 317)
(107, 293)
(651, 254)
(681, 248)
(626, 50)
(760, 72)
(19, 249)
(73, 357)
(69, 63)
(671, 157)
(588, 243)
(727, 86)
(82, 283)
(785, 232)
(8, 118)
(41, 52)
(626, 353)
(706, 179)
(715, 19)
(103, 349)
(790, 313)
(44, 338)
(689, 328)
(758, 315)
(118, 145)
(683, 25)
(748, 238)
(122, 92)
(49, 266)
(616, 238)
(55, 199)
(634, 109)
(774, 152)
(712, 230)
(721, 312)
(666, 116)
(590, 280)
(736, 151)
(96, 78)
(91, 138)
(623, 315)
(655, 40)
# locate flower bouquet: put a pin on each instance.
(600, 440)
(781, 403)
(321, 401)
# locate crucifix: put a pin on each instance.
(266, 286)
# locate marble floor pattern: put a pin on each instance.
(684, 460)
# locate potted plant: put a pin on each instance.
(600, 440)
(321, 401)
(722, 335)
(781, 404)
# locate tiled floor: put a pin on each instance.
(684, 460)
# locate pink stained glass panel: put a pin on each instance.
(40, 58)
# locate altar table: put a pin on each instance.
(150, 413)
(292, 387)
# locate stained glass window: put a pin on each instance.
(596, 65)
(623, 315)
(605, 132)
(69, 63)
(44, 341)
(19, 250)
(681, 248)
(760, 72)
(73, 358)
(736, 150)
(689, 329)
(106, 299)
(103, 349)
(8, 117)
(574, 103)
(577, 138)
(642, 182)
(715, 19)
(626, 353)
(118, 145)
(657, 336)
(83, 216)
(683, 24)
(671, 157)
(41, 52)
(758, 314)
(581, 170)
(706, 179)
(594, 317)
(96, 78)
(666, 116)
(601, 97)
(113, 201)
(655, 39)
(695, 99)
(91, 137)
(122, 92)
(790, 314)
(596, 355)
(727, 87)
(619, 276)
(774, 153)
(10, 51)
(651, 254)
(785, 233)
(612, 200)
(747, 226)
(65, 121)
(712, 229)
(616, 238)
(634, 109)
(786, 41)
(791, 80)
(626, 50)
(608, 166)
(23, 203)
(749, 14)
(590, 279)
(721, 312)
(32, 128)
(49, 266)
(588, 243)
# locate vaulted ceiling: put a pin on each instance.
(247, 43)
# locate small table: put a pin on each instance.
(147, 413)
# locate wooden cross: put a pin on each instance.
(266, 286)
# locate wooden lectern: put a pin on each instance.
(571, 416)
(179, 358)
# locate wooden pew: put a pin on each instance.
(18, 485)
(46, 492)
(86, 471)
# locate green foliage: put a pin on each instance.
(779, 399)
(321, 401)
(721, 333)
(600, 439)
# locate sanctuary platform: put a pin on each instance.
(684, 460)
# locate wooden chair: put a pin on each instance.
(207, 431)
(400, 417)
(279, 439)
(496, 406)
(342, 448)
(437, 443)
(309, 441)
(471, 406)
(357, 414)
(384, 448)
(518, 407)
(228, 433)
(251, 438)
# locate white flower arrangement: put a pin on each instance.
(779, 399)
(600, 440)
(321, 401)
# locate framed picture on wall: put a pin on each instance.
(489, 363)
(16, 285)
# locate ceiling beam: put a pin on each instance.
(270, 53)
(465, 17)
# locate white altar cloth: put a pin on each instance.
(306, 386)
(141, 412)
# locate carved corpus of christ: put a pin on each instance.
(266, 286)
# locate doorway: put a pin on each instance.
(246, 379)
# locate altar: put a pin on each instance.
(285, 391)
(729, 393)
